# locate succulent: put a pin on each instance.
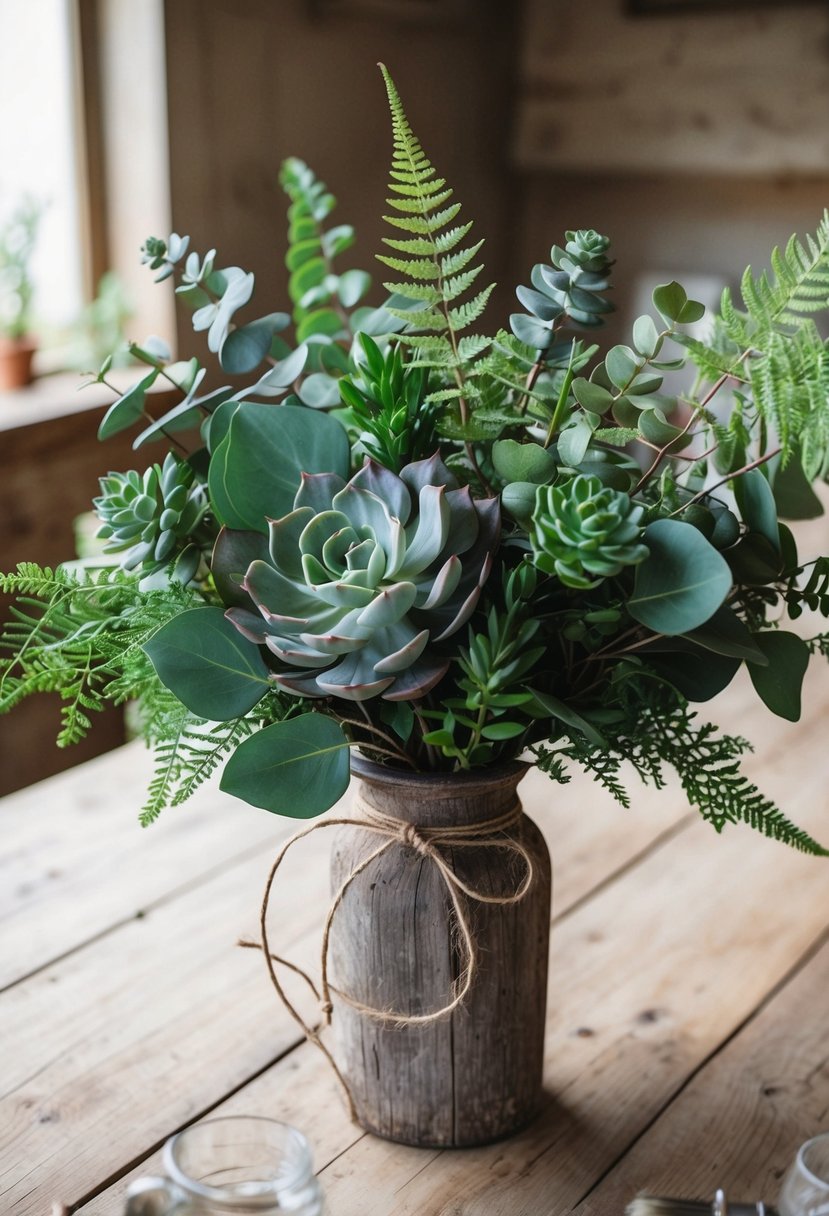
(150, 517)
(364, 579)
(572, 285)
(583, 531)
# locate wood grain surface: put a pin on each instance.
(686, 1034)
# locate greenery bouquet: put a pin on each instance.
(397, 533)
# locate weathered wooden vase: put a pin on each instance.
(474, 1074)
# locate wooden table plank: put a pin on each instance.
(649, 977)
(75, 861)
(181, 966)
(742, 1118)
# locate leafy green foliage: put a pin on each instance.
(436, 545)
(489, 718)
(386, 397)
(297, 768)
(325, 302)
(683, 581)
(658, 730)
(436, 267)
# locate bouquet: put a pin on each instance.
(397, 533)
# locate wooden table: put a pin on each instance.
(688, 1037)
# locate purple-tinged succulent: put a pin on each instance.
(364, 578)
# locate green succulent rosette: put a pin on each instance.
(583, 531)
(150, 517)
(364, 579)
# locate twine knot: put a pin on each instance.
(489, 834)
(411, 837)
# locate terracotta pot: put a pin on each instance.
(474, 1075)
(16, 362)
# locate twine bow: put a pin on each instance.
(428, 843)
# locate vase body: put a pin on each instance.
(474, 1075)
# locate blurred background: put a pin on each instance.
(695, 133)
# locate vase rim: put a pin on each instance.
(510, 771)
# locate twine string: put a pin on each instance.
(428, 842)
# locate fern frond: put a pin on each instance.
(797, 286)
(440, 267)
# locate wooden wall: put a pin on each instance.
(251, 83)
(696, 140)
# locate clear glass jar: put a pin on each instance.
(231, 1165)
(806, 1187)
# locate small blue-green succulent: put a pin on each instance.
(364, 579)
(583, 531)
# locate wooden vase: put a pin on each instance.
(474, 1075)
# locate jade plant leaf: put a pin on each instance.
(204, 660)
(298, 768)
(256, 469)
(681, 583)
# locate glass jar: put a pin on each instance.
(806, 1187)
(231, 1165)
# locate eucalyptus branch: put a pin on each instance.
(704, 493)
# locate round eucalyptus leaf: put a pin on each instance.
(297, 768)
(516, 461)
(621, 364)
(681, 583)
(592, 396)
(320, 391)
(669, 299)
(244, 349)
(205, 662)
(530, 332)
(256, 470)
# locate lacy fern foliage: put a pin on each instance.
(436, 268)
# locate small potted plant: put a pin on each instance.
(17, 346)
(401, 545)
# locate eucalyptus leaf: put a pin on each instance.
(780, 682)
(255, 472)
(126, 411)
(320, 391)
(621, 364)
(244, 349)
(574, 441)
(518, 499)
(681, 583)
(725, 633)
(757, 506)
(298, 768)
(205, 662)
(793, 493)
(646, 337)
(592, 396)
(322, 323)
(669, 299)
(523, 461)
(699, 676)
(352, 286)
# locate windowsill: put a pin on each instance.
(60, 394)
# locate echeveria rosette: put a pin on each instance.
(151, 516)
(583, 531)
(365, 578)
